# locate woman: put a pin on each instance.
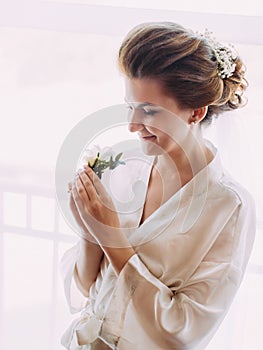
(163, 276)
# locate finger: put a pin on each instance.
(89, 186)
(95, 180)
(84, 210)
(75, 196)
(81, 190)
(82, 200)
(69, 187)
(74, 209)
(72, 203)
(80, 203)
(84, 234)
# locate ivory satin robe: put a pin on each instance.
(190, 258)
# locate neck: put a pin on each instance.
(186, 160)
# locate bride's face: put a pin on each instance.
(158, 120)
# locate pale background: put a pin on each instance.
(57, 65)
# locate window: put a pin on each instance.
(55, 71)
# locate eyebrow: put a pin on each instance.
(141, 105)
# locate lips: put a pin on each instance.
(148, 137)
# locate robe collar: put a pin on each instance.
(190, 200)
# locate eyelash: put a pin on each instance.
(150, 112)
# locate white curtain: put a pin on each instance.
(58, 65)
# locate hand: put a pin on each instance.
(83, 231)
(98, 214)
(96, 209)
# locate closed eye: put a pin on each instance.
(149, 112)
(146, 111)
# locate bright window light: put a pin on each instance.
(14, 209)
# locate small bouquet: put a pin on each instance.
(100, 159)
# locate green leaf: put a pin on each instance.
(103, 166)
(113, 166)
(118, 156)
(95, 163)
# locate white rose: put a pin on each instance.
(106, 153)
(90, 154)
(104, 157)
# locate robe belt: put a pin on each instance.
(82, 332)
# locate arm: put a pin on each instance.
(83, 261)
(88, 265)
(89, 256)
(98, 215)
(168, 318)
(182, 315)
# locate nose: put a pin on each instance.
(135, 122)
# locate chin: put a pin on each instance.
(151, 149)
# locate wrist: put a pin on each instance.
(119, 256)
(88, 241)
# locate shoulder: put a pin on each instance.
(235, 241)
(224, 186)
(233, 190)
(233, 202)
(242, 221)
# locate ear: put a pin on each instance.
(198, 114)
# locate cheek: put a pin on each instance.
(167, 126)
(161, 124)
(173, 128)
(160, 128)
(162, 138)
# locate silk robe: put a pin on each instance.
(191, 255)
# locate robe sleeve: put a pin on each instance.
(180, 318)
(74, 336)
(75, 299)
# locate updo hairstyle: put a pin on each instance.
(185, 65)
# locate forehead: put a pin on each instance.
(145, 91)
(150, 92)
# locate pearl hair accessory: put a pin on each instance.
(225, 55)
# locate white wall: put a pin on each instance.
(57, 65)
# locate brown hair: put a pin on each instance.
(185, 65)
